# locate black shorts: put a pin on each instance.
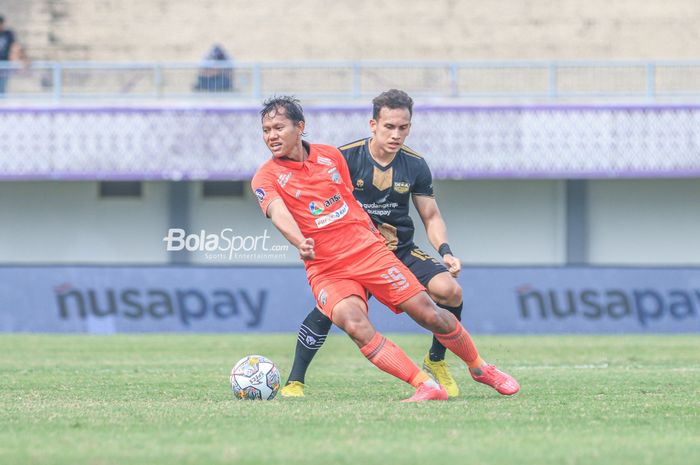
(422, 265)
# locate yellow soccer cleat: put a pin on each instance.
(440, 373)
(293, 389)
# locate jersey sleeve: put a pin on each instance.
(263, 185)
(423, 184)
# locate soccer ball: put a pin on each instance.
(255, 378)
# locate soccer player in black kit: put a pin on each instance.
(386, 175)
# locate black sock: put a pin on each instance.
(312, 335)
(437, 350)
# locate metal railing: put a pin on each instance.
(544, 81)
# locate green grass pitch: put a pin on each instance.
(165, 399)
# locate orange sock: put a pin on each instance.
(389, 357)
(459, 342)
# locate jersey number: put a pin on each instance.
(420, 255)
(396, 278)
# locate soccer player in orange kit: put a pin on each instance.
(306, 190)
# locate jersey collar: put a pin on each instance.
(297, 165)
(375, 162)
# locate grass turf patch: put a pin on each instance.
(166, 399)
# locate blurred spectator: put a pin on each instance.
(10, 50)
(219, 79)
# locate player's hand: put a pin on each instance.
(454, 266)
(306, 249)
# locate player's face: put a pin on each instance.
(280, 133)
(390, 129)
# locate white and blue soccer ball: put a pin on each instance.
(255, 377)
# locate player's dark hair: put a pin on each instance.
(392, 99)
(290, 104)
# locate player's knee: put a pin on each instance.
(442, 321)
(445, 290)
(431, 320)
(453, 294)
(430, 317)
(360, 331)
(355, 323)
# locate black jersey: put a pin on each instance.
(385, 191)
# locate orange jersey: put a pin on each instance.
(318, 194)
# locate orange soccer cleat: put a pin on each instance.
(492, 376)
(426, 392)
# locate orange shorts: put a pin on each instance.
(372, 269)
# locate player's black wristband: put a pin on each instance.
(444, 249)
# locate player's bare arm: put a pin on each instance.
(436, 229)
(282, 219)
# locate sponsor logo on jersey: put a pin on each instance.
(325, 161)
(359, 183)
(316, 208)
(380, 209)
(332, 200)
(335, 176)
(260, 193)
(282, 180)
(323, 297)
(332, 217)
(402, 187)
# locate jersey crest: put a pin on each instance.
(402, 187)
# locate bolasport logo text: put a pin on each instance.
(225, 245)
